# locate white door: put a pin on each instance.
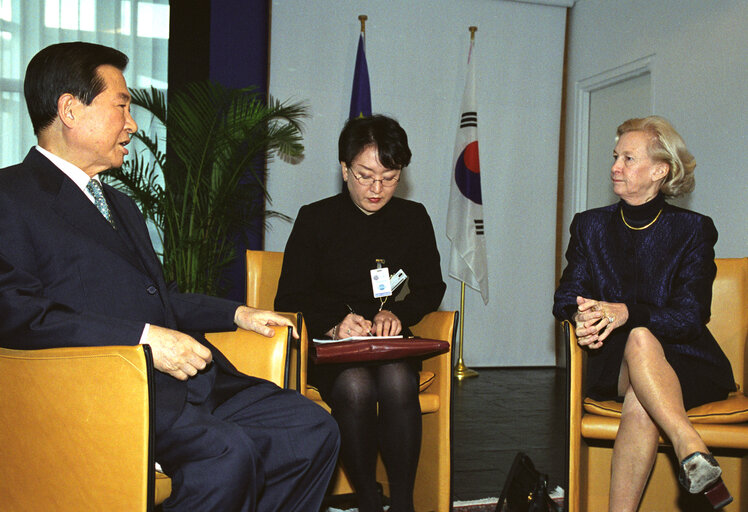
(603, 101)
(609, 106)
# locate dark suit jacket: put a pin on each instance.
(68, 279)
(664, 274)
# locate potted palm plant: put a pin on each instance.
(208, 188)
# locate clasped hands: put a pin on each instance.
(182, 356)
(596, 319)
(385, 323)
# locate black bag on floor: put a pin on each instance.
(525, 489)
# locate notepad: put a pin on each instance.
(358, 338)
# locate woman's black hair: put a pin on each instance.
(381, 131)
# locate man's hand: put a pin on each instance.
(176, 353)
(260, 321)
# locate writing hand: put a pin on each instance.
(352, 325)
(176, 353)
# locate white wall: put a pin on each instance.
(699, 76)
(416, 52)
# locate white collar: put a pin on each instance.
(73, 172)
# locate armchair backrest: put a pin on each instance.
(263, 272)
(729, 321)
(68, 442)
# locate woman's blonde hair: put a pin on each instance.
(665, 145)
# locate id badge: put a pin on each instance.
(380, 282)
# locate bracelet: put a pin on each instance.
(334, 329)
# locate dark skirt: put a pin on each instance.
(701, 380)
(322, 376)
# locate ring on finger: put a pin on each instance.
(611, 319)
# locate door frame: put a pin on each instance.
(582, 91)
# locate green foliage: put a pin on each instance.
(220, 141)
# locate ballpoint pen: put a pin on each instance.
(353, 313)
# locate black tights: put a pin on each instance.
(397, 431)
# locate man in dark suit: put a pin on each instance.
(77, 268)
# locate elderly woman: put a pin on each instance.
(637, 288)
(333, 247)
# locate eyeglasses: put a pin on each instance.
(368, 181)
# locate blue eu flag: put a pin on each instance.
(361, 94)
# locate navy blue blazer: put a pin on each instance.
(664, 274)
(68, 279)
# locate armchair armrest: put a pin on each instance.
(439, 325)
(300, 357)
(75, 428)
(433, 485)
(257, 355)
(574, 396)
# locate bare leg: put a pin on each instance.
(656, 386)
(634, 453)
(652, 397)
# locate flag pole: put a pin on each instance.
(362, 18)
(461, 371)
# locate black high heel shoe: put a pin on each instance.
(700, 473)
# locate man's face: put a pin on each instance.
(103, 128)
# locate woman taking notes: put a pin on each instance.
(338, 252)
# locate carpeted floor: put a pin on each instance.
(484, 505)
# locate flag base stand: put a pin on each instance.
(463, 372)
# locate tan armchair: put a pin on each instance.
(433, 479)
(76, 427)
(722, 425)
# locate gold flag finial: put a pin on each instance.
(362, 18)
(472, 30)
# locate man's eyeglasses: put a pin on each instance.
(368, 181)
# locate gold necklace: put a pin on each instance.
(643, 227)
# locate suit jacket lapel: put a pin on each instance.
(73, 206)
(132, 225)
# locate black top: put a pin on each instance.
(641, 215)
(334, 245)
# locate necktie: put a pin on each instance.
(97, 192)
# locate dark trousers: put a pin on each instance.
(262, 449)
